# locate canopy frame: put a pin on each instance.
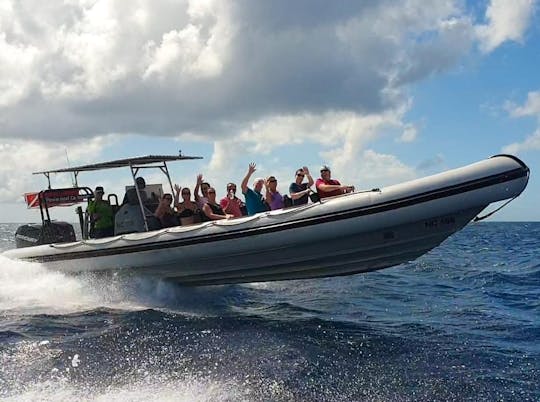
(134, 164)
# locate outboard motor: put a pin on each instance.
(35, 234)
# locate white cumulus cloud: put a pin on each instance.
(531, 143)
(20, 158)
(200, 49)
(213, 67)
(17, 63)
(531, 108)
(506, 21)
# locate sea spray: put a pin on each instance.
(31, 288)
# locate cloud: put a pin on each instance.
(506, 21)
(371, 169)
(531, 143)
(20, 158)
(338, 133)
(530, 108)
(216, 68)
(341, 139)
(436, 50)
(410, 132)
(200, 49)
(16, 67)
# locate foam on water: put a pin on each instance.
(186, 390)
(41, 371)
(30, 288)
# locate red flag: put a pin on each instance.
(32, 200)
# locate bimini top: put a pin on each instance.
(133, 162)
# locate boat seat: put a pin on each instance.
(114, 205)
(129, 219)
(131, 197)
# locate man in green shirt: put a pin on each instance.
(101, 216)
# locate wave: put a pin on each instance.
(30, 289)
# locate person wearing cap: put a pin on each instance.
(328, 187)
(298, 190)
(255, 202)
(101, 215)
(273, 196)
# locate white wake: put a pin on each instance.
(30, 288)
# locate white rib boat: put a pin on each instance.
(345, 235)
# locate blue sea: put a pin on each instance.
(460, 323)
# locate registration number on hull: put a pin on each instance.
(438, 222)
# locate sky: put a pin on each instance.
(383, 91)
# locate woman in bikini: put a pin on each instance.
(187, 210)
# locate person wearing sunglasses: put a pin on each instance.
(188, 211)
(273, 197)
(212, 210)
(231, 204)
(328, 187)
(298, 190)
(165, 213)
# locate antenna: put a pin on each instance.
(74, 178)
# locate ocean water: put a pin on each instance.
(460, 323)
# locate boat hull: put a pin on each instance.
(344, 235)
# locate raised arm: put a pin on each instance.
(310, 178)
(244, 184)
(177, 189)
(197, 186)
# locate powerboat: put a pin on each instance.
(344, 235)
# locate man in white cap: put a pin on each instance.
(255, 201)
(327, 187)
